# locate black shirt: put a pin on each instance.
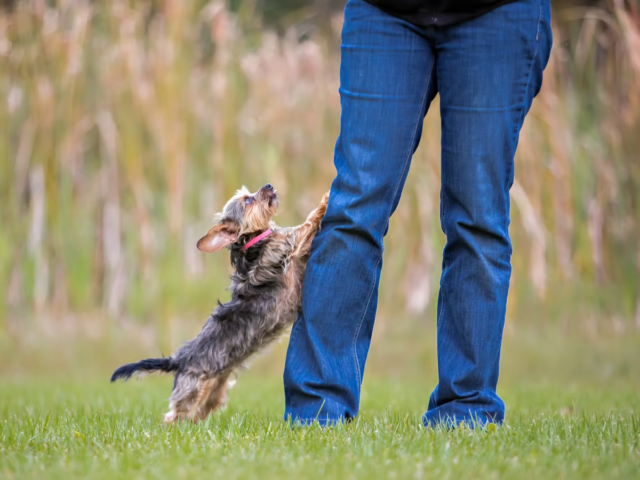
(428, 13)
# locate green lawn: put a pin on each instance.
(79, 429)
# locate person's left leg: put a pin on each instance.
(488, 69)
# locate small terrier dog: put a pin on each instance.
(266, 290)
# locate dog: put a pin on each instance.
(266, 288)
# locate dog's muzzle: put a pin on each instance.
(269, 193)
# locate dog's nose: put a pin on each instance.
(268, 186)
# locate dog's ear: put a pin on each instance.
(218, 236)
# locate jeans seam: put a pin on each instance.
(472, 109)
(395, 192)
(539, 20)
(444, 257)
(526, 90)
(355, 337)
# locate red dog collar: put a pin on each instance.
(255, 240)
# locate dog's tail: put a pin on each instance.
(149, 365)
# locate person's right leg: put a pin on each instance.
(387, 81)
(489, 70)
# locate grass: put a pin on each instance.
(73, 429)
(572, 412)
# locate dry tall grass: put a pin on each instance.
(125, 125)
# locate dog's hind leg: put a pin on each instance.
(185, 393)
(206, 385)
(217, 397)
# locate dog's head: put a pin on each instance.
(244, 214)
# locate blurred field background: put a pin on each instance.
(125, 125)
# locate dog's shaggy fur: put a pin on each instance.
(265, 299)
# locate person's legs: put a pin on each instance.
(387, 83)
(488, 69)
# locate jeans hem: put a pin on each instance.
(321, 422)
(474, 422)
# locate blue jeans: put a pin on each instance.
(487, 72)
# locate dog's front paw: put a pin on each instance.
(322, 208)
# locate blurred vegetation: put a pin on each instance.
(124, 126)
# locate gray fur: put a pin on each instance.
(265, 290)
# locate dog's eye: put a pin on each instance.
(248, 201)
